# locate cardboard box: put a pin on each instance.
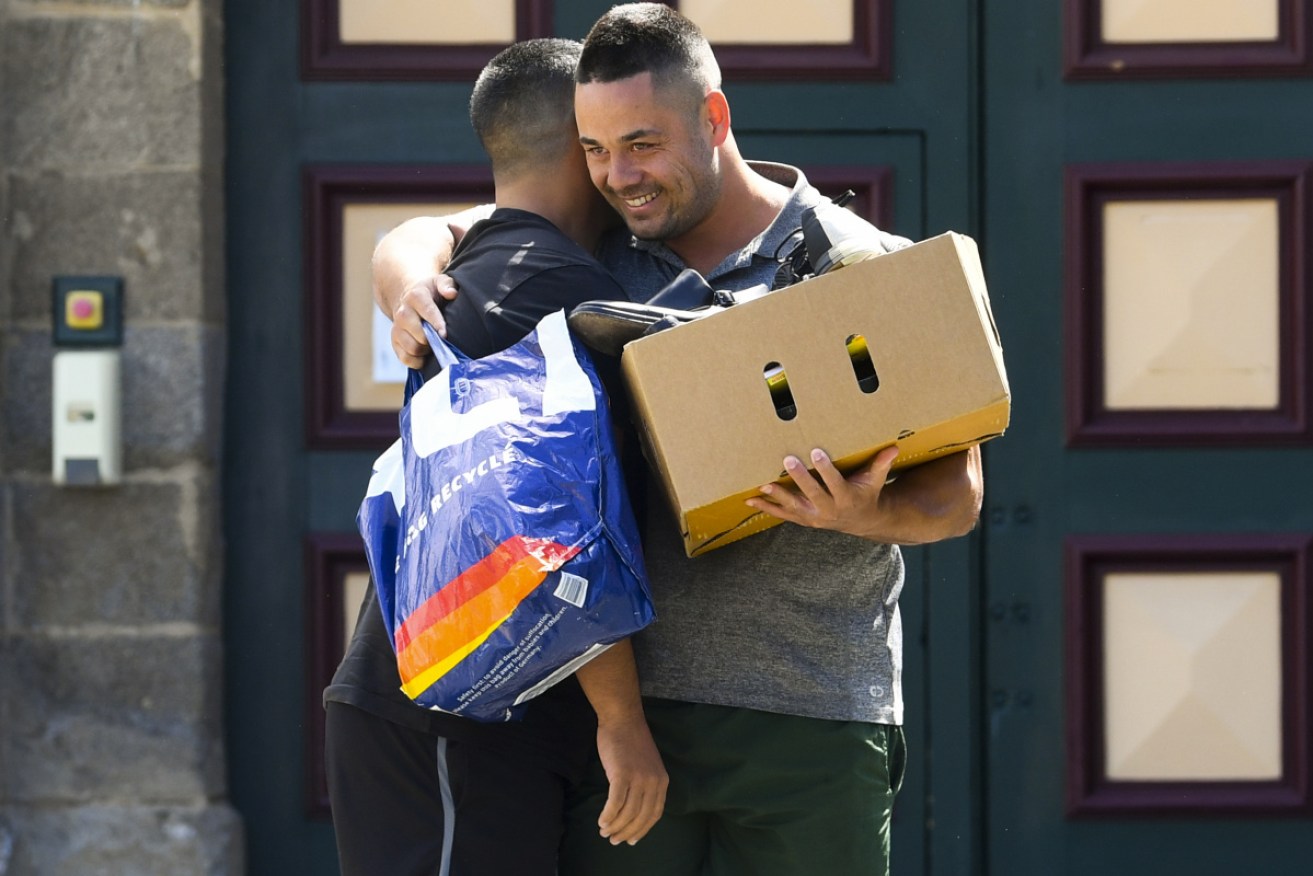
(710, 423)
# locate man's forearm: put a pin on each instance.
(412, 250)
(417, 250)
(636, 777)
(932, 502)
(610, 681)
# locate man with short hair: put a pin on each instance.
(772, 679)
(420, 792)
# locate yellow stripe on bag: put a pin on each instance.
(433, 653)
(428, 677)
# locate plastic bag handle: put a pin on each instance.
(445, 352)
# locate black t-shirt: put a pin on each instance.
(512, 269)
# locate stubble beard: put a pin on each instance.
(703, 192)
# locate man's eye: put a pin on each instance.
(640, 147)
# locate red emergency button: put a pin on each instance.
(85, 310)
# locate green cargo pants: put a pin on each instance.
(752, 794)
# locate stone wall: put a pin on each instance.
(111, 730)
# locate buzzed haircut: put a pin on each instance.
(522, 106)
(649, 38)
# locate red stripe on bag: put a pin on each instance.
(440, 648)
(478, 578)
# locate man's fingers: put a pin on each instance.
(880, 466)
(408, 340)
(826, 498)
(609, 820)
(806, 482)
(642, 809)
(422, 302)
(832, 478)
(624, 805)
(777, 501)
(419, 305)
(445, 287)
(410, 351)
(654, 805)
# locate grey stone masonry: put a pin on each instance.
(111, 689)
(144, 227)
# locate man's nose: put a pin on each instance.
(621, 173)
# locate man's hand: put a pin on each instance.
(409, 283)
(637, 780)
(832, 502)
(419, 304)
(635, 775)
(930, 502)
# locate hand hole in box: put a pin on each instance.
(777, 382)
(863, 367)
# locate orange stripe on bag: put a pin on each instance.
(477, 578)
(435, 651)
(457, 619)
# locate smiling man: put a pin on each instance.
(656, 130)
(654, 169)
(772, 679)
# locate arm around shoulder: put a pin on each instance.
(408, 279)
(417, 250)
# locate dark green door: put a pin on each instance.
(1145, 696)
(907, 145)
(1015, 768)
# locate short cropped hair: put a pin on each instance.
(522, 106)
(648, 38)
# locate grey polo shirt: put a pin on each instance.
(793, 620)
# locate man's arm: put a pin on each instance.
(927, 503)
(408, 280)
(634, 772)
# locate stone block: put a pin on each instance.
(6, 843)
(120, 91)
(172, 396)
(25, 372)
(134, 554)
(143, 226)
(6, 602)
(8, 693)
(6, 293)
(124, 840)
(115, 714)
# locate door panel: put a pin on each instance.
(1044, 495)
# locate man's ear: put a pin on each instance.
(718, 116)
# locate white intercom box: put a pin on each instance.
(87, 418)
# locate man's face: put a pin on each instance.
(649, 153)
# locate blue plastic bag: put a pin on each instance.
(498, 530)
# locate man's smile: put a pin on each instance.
(635, 203)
